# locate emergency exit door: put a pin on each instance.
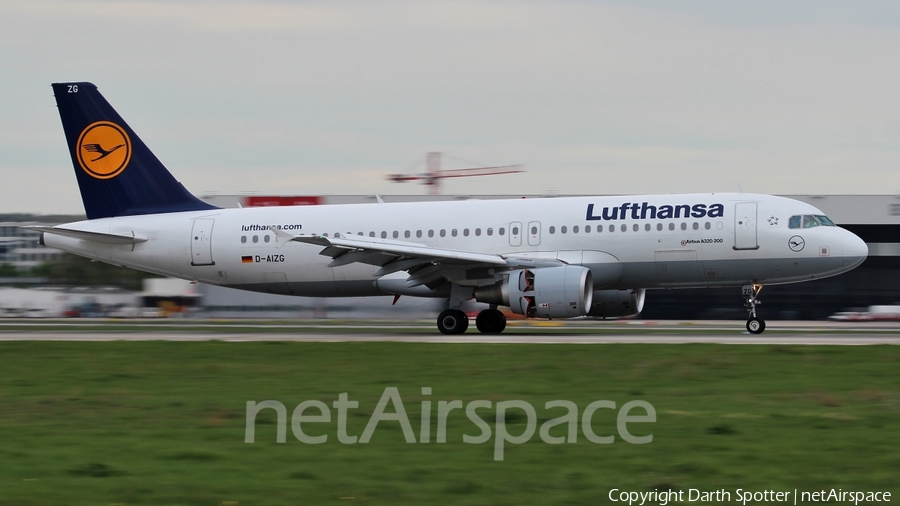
(534, 233)
(515, 233)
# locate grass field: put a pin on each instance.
(164, 422)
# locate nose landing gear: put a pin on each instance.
(755, 325)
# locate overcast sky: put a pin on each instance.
(294, 97)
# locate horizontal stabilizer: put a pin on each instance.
(84, 235)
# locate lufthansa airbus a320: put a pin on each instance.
(542, 258)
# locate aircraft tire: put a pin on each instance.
(452, 321)
(756, 325)
(490, 321)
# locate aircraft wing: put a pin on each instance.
(424, 264)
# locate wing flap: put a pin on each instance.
(335, 245)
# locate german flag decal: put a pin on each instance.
(246, 260)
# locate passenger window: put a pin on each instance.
(587, 229)
(431, 233)
(696, 226)
(256, 238)
(501, 231)
(454, 233)
(659, 226)
(490, 231)
(265, 238)
(418, 233)
(371, 234)
(612, 228)
(533, 230)
(514, 231)
(552, 230)
(443, 233)
(477, 232)
(466, 232)
(794, 222)
(671, 226)
(647, 227)
(562, 229)
(635, 227)
(575, 229)
(383, 234)
(243, 239)
(624, 227)
(706, 225)
(396, 234)
(406, 234)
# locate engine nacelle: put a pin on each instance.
(548, 292)
(617, 303)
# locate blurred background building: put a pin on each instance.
(19, 247)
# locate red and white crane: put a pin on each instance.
(435, 173)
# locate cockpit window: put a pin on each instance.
(824, 220)
(809, 221)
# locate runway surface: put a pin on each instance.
(569, 332)
(844, 339)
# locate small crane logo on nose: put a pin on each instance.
(796, 243)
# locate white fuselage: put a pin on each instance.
(717, 240)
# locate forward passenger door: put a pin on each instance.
(745, 226)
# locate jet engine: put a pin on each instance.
(617, 303)
(547, 292)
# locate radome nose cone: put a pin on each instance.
(855, 250)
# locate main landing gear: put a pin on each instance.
(755, 325)
(454, 321)
(490, 321)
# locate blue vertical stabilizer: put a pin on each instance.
(116, 172)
